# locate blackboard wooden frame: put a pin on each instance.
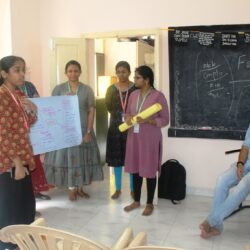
(204, 132)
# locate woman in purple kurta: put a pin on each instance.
(144, 141)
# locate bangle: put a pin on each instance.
(240, 163)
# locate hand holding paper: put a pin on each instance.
(144, 115)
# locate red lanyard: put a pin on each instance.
(19, 105)
(123, 104)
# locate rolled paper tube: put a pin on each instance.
(144, 115)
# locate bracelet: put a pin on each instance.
(240, 163)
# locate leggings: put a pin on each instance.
(118, 179)
(151, 185)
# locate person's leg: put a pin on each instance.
(237, 195)
(28, 203)
(39, 181)
(6, 201)
(224, 182)
(151, 185)
(118, 182)
(131, 184)
(72, 193)
(137, 183)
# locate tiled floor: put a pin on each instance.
(103, 219)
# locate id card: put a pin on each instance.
(136, 128)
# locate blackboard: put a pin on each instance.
(209, 81)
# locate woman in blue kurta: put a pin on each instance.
(79, 165)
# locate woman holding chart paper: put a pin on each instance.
(79, 165)
(17, 199)
(144, 141)
(116, 102)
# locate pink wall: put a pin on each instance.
(5, 28)
(204, 159)
(25, 28)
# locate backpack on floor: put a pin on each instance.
(172, 181)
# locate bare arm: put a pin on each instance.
(90, 123)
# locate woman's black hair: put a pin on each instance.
(146, 73)
(73, 62)
(6, 63)
(123, 64)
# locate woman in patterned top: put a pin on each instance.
(116, 101)
(17, 199)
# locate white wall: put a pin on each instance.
(204, 159)
(26, 42)
(5, 28)
(119, 51)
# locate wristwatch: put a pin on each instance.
(88, 131)
(240, 163)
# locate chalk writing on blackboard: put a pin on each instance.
(229, 40)
(181, 36)
(206, 38)
(247, 38)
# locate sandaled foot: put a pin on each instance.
(132, 206)
(205, 226)
(82, 194)
(116, 194)
(73, 195)
(212, 232)
(148, 210)
(207, 231)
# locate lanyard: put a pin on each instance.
(19, 105)
(139, 107)
(123, 104)
(69, 88)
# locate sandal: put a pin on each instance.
(148, 210)
(82, 194)
(116, 194)
(132, 206)
(73, 195)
